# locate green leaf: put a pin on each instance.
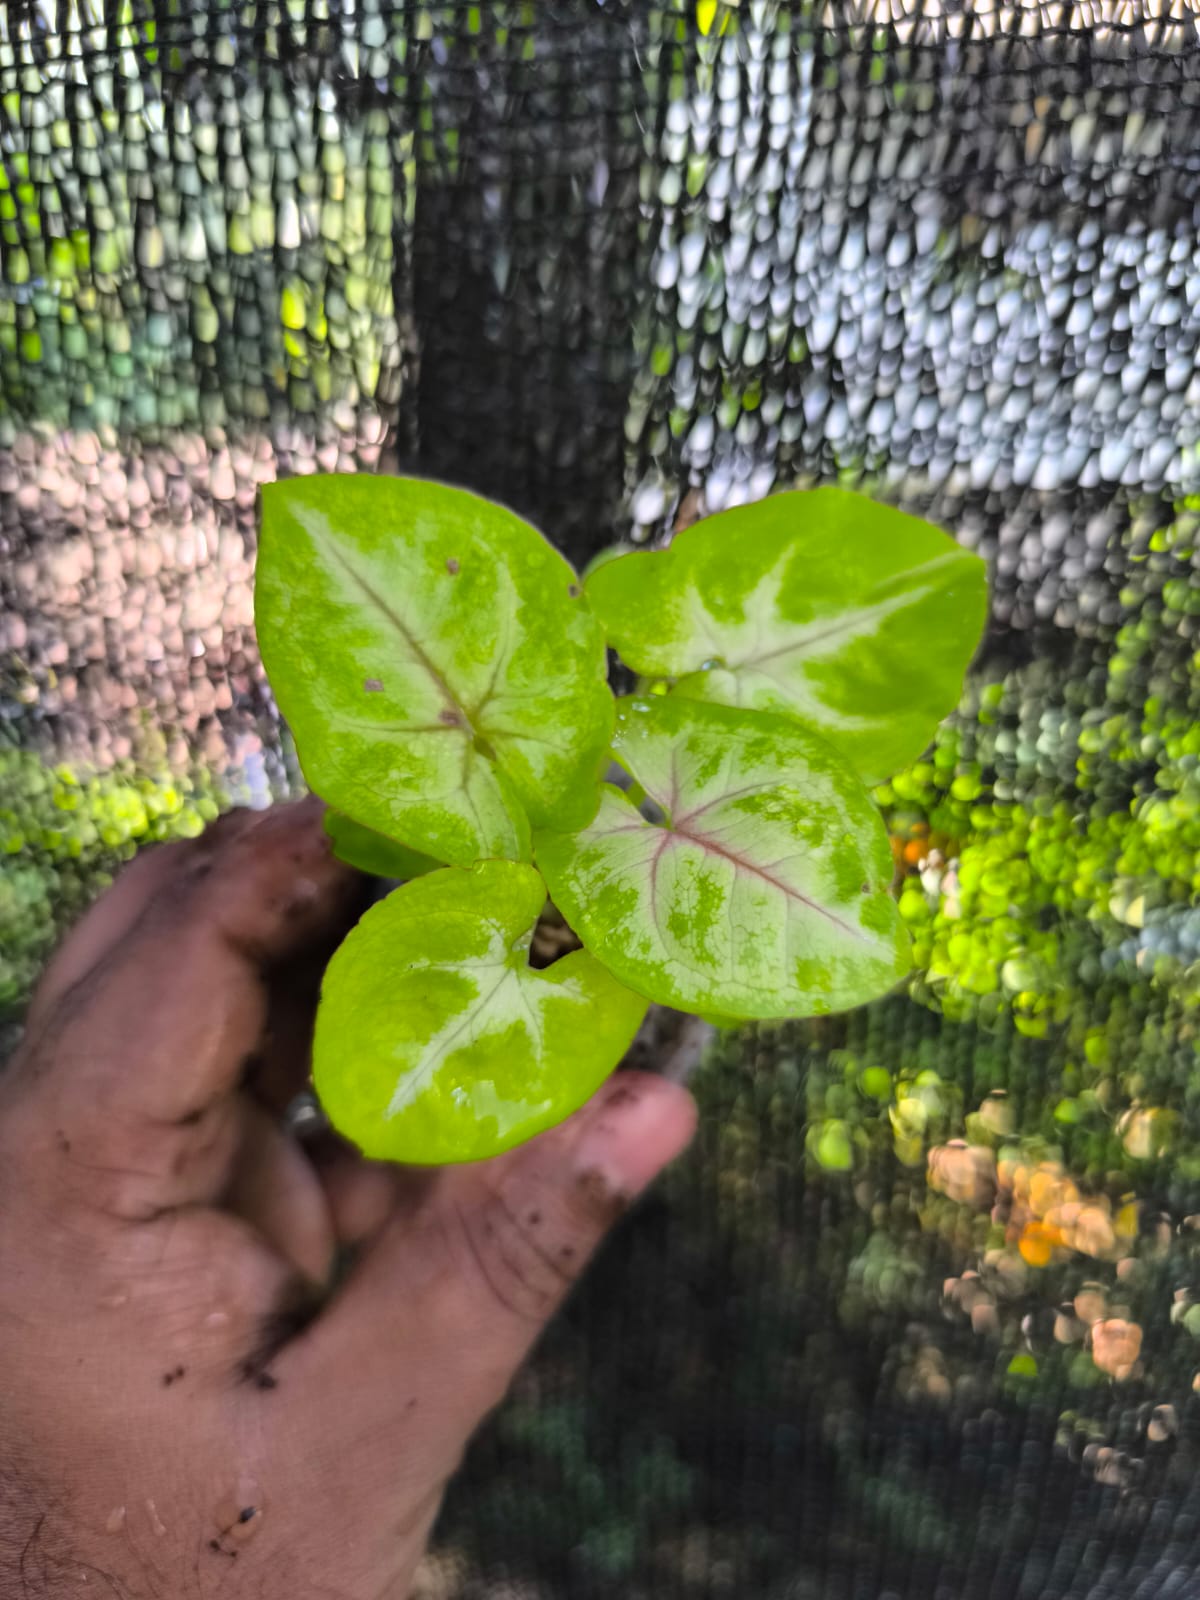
(821, 605)
(611, 552)
(765, 892)
(459, 1048)
(371, 852)
(444, 679)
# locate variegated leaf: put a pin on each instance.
(764, 889)
(437, 1042)
(821, 605)
(442, 674)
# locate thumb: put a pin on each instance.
(531, 1220)
(453, 1294)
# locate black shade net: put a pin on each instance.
(917, 1319)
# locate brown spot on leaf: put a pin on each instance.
(372, 685)
(573, 590)
(452, 566)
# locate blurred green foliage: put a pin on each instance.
(62, 836)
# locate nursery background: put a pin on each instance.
(919, 1317)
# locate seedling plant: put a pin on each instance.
(445, 675)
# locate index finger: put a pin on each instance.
(121, 907)
(150, 1029)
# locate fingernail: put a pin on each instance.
(634, 1130)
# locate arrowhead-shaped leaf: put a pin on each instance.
(371, 852)
(444, 678)
(854, 618)
(435, 1039)
(765, 893)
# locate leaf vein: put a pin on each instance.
(706, 842)
(419, 654)
(407, 1091)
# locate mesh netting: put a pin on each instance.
(620, 265)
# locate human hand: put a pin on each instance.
(188, 1406)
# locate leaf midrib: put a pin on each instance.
(431, 1061)
(420, 654)
(467, 723)
(843, 624)
(707, 843)
(676, 829)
